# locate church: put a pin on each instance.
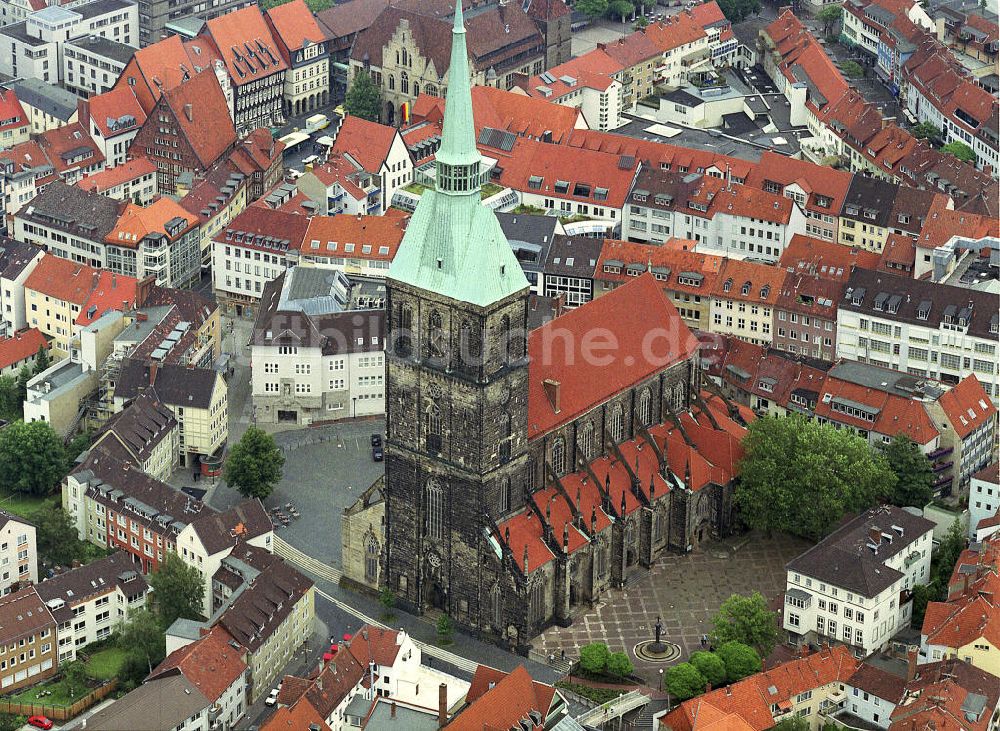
(529, 472)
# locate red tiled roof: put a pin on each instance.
(112, 292)
(990, 473)
(899, 254)
(164, 65)
(817, 181)
(367, 142)
(935, 698)
(137, 222)
(563, 351)
(707, 14)
(294, 25)
(64, 146)
(523, 534)
(897, 414)
(107, 109)
(246, 44)
(592, 70)
(486, 677)
(293, 718)
(210, 663)
(263, 222)
(942, 224)
(202, 114)
(11, 111)
(970, 617)
(62, 279)
(825, 259)
(505, 704)
(554, 163)
(803, 59)
(631, 50)
(968, 406)
(674, 31)
(765, 281)
(375, 644)
(333, 233)
(111, 177)
(21, 345)
(676, 260)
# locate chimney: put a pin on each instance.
(442, 705)
(911, 664)
(189, 112)
(152, 374)
(392, 710)
(551, 387)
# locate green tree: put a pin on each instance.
(619, 665)
(853, 69)
(75, 675)
(739, 10)
(621, 10)
(925, 131)
(254, 464)
(388, 600)
(314, 5)
(795, 723)
(914, 476)
(801, 477)
(924, 594)
(9, 722)
(960, 150)
(740, 660)
(746, 619)
(178, 589)
(364, 98)
(56, 537)
(11, 403)
(42, 359)
(594, 657)
(77, 446)
(683, 681)
(948, 552)
(711, 666)
(592, 8)
(445, 630)
(142, 637)
(32, 458)
(23, 376)
(830, 15)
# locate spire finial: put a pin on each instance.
(459, 26)
(458, 162)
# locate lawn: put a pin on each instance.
(105, 664)
(60, 694)
(26, 506)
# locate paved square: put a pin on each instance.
(685, 591)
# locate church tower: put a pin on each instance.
(456, 396)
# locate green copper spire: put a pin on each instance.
(454, 245)
(459, 163)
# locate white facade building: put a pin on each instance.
(18, 554)
(853, 587)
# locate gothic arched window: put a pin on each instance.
(504, 501)
(392, 82)
(658, 522)
(677, 398)
(416, 89)
(602, 559)
(643, 407)
(504, 340)
(404, 82)
(503, 449)
(434, 503)
(404, 58)
(404, 327)
(585, 440)
(615, 424)
(496, 607)
(430, 90)
(558, 456)
(471, 351)
(371, 559)
(434, 429)
(536, 601)
(435, 335)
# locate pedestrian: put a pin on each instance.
(562, 655)
(704, 640)
(552, 658)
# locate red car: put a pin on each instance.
(40, 722)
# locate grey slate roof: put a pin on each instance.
(71, 209)
(573, 256)
(52, 100)
(174, 384)
(162, 703)
(219, 531)
(140, 427)
(91, 580)
(15, 256)
(845, 559)
(105, 47)
(873, 195)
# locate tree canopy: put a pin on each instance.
(801, 477)
(925, 131)
(710, 666)
(683, 681)
(364, 98)
(619, 665)
(254, 464)
(960, 150)
(621, 9)
(42, 359)
(179, 590)
(592, 8)
(32, 458)
(830, 15)
(594, 657)
(57, 540)
(746, 619)
(143, 639)
(739, 10)
(914, 476)
(853, 69)
(11, 403)
(740, 660)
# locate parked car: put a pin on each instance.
(377, 454)
(272, 697)
(40, 722)
(376, 440)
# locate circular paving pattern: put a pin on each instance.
(648, 652)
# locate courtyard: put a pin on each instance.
(684, 591)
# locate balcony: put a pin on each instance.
(941, 466)
(939, 452)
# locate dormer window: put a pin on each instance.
(581, 190)
(745, 289)
(562, 186)
(535, 182)
(765, 291)
(924, 310)
(728, 285)
(600, 194)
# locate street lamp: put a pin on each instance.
(661, 680)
